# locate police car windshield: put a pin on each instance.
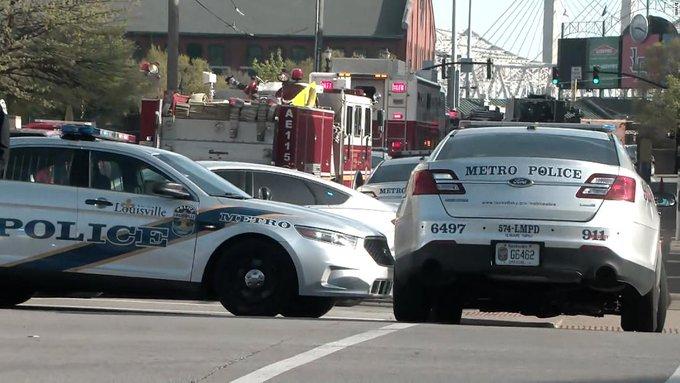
(392, 173)
(534, 145)
(208, 181)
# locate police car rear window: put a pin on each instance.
(533, 145)
(392, 173)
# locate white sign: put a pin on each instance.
(576, 73)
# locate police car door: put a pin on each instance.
(132, 230)
(38, 208)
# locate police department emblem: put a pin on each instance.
(184, 220)
(503, 254)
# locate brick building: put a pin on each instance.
(356, 27)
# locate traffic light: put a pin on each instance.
(489, 65)
(445, 68)
(555, 75)
(596, 74)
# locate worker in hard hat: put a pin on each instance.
(291, 88)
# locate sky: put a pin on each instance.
(484, 13)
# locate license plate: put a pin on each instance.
(518, 254)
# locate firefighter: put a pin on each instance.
(252, 87)
(292, 88)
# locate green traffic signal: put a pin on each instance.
(596, 75)
(555, 75)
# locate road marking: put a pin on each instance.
(280, 367)
(675, 378)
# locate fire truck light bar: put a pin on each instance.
(344, 74)
(380, 75)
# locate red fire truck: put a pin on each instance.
(332, 140)
(413, 107)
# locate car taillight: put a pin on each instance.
(608, 187)
(435, 182)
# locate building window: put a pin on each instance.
(216, 55)
(299, 53)
(194, 50)
(254, 52)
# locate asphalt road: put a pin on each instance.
(78, 340)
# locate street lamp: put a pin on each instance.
(327, 56)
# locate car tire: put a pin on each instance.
(646, 313)
(308, 307)
(447, 309)
(664, 301)
(11, 296)
(410, 301)
(255, 278)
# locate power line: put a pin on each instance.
(230, 25)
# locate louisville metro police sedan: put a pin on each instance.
(303, 189)
(388, 181)
(86, 215)
(531, 219)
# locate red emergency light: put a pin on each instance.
(398, 87)
(396, 146)
(327, 84)
(398, 116)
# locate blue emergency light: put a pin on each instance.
(89, 132)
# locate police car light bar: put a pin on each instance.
(607, 128)
(87, 131)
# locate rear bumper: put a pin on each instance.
(445, 262)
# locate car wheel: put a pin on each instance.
(410, 301)
(664, 301)
(255, 278)
(11, 296)
(642, 313)
(447, 308)
(308, 307)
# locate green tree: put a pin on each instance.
(659, 111)
(270, 68)
(57, 53)
(190, 73)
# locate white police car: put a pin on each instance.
(532, 219)
(388, 181)
(87, 215)
(303, 189)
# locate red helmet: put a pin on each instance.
(296, 74)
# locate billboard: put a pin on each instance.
(633, 58)
(605, 52)
(570, 53)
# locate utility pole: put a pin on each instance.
(453, 96)
(469, 38)
(173, 48)
(318, 35)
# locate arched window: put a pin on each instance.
(216, 55)
(299, 53)
(254, 52)
(194, 50)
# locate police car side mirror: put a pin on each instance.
(665, 200)
(171, 190)
(264, 193)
